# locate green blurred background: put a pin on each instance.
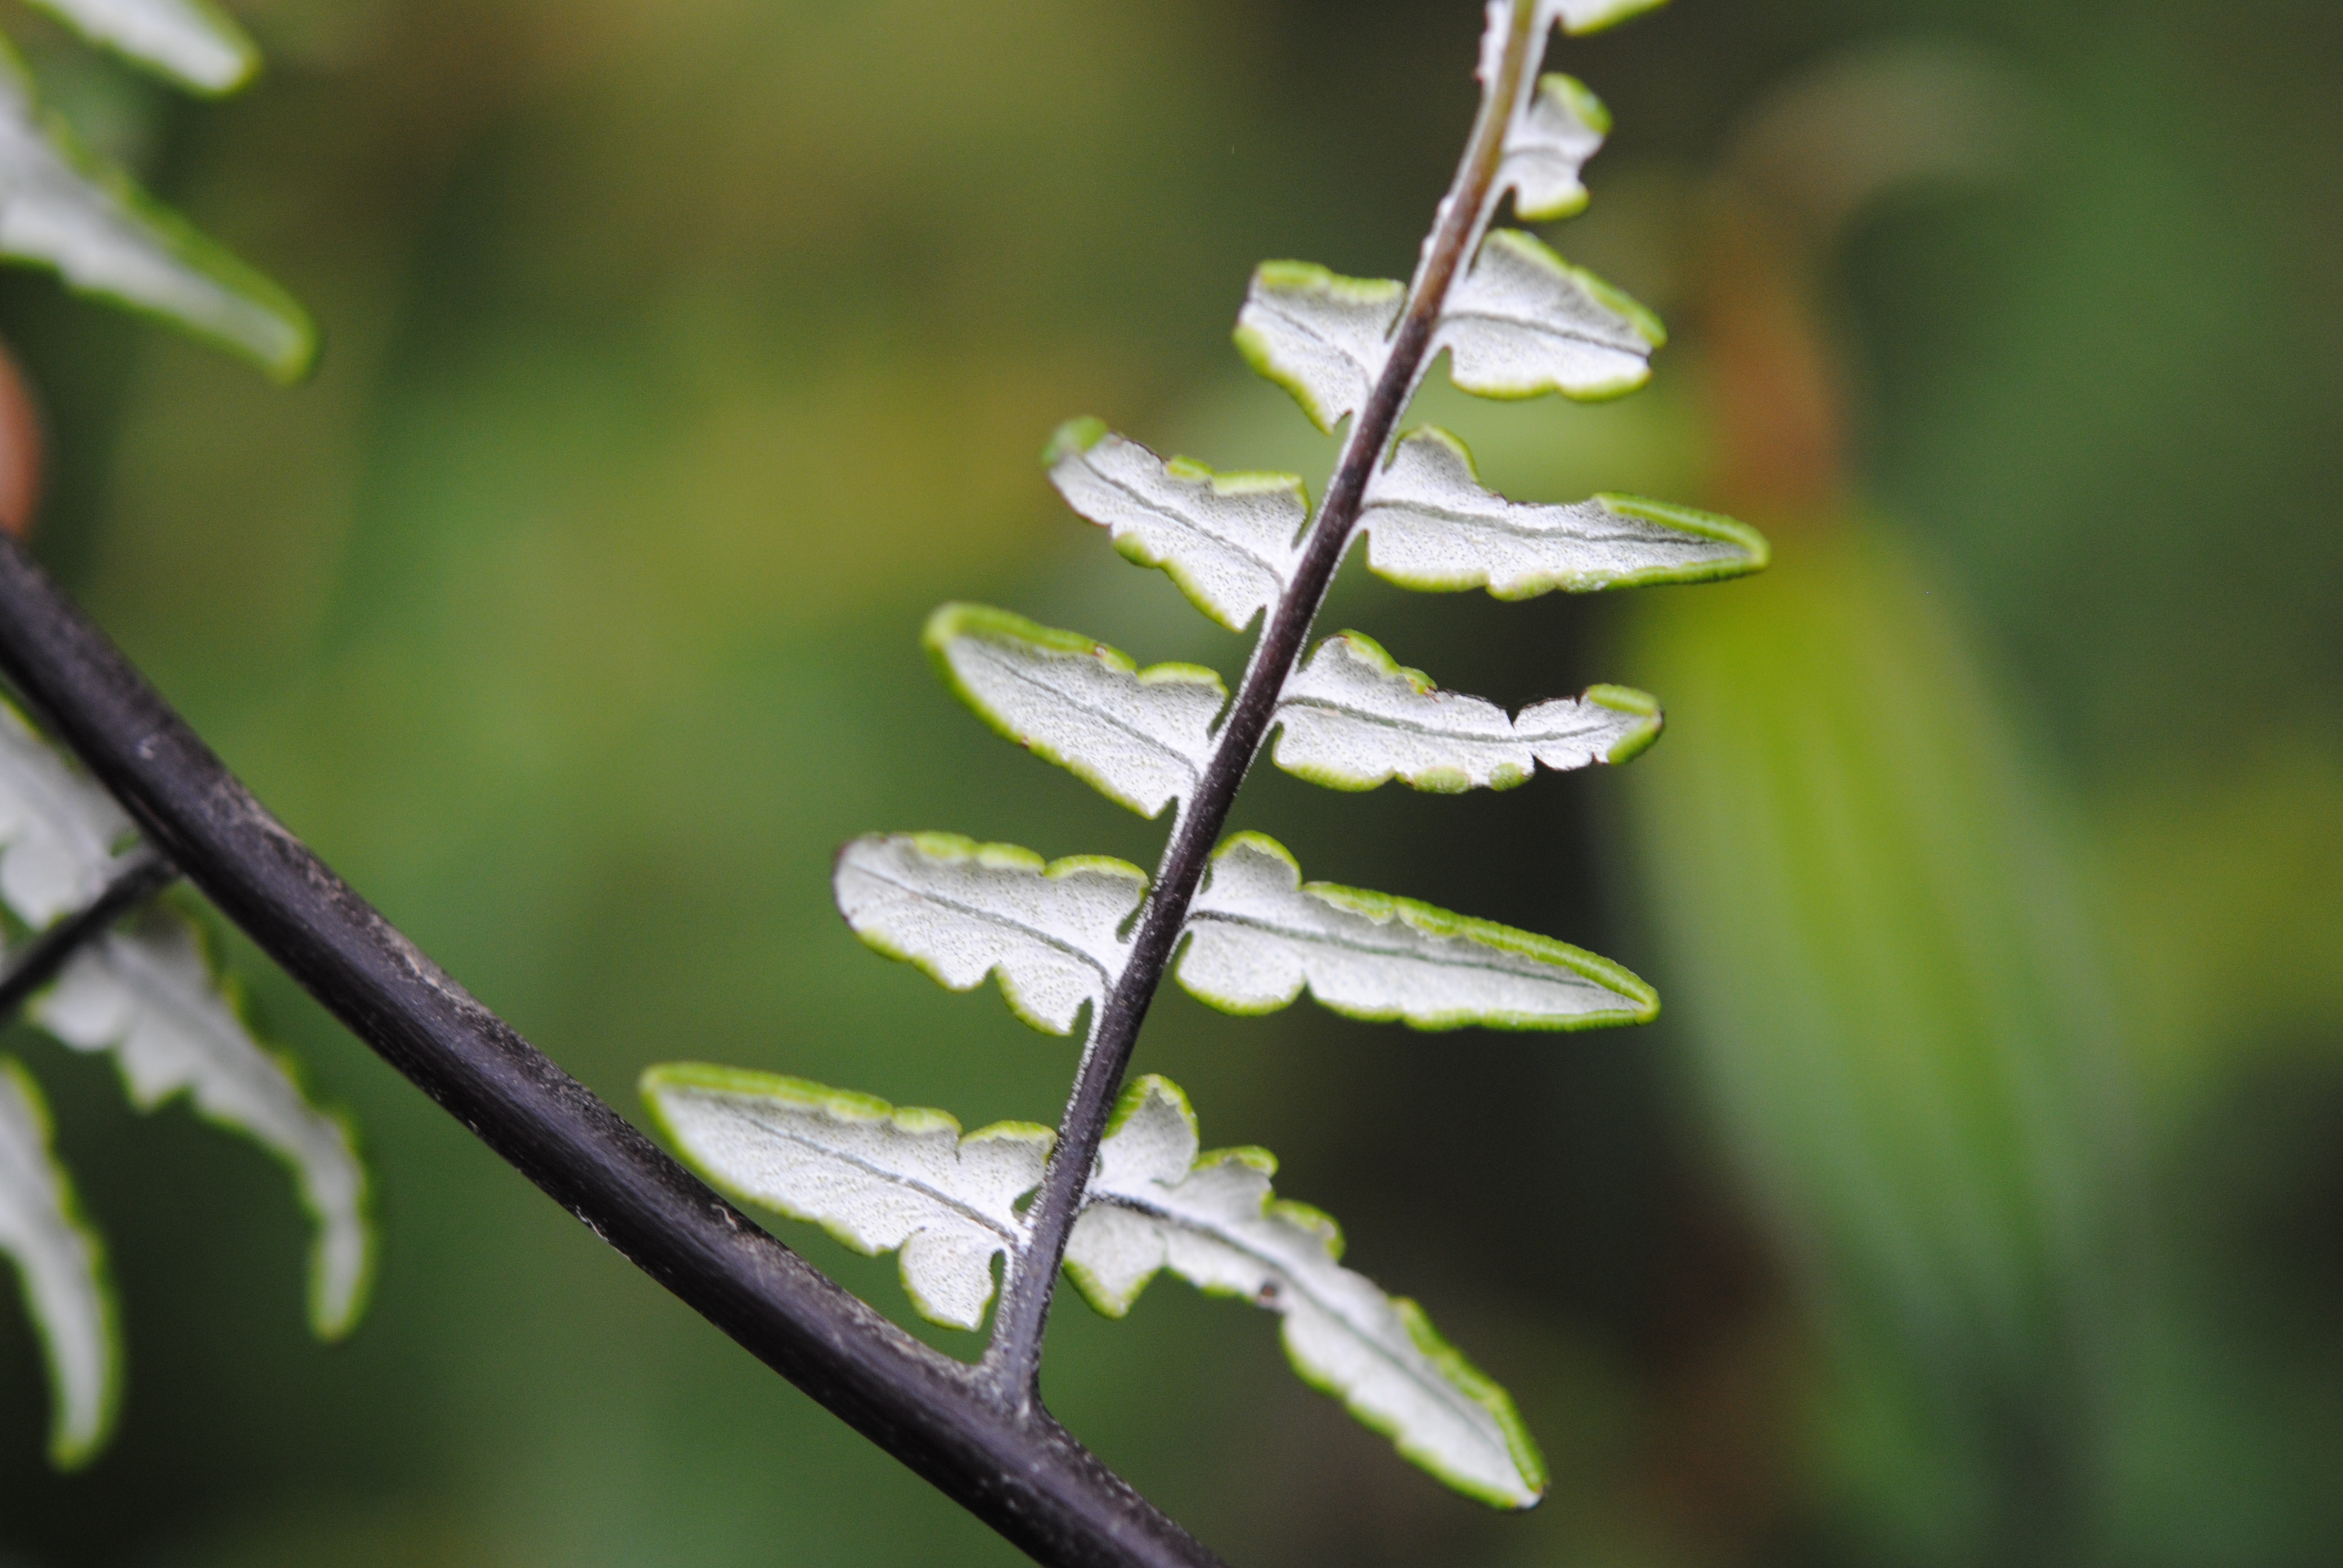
(1980, 1197)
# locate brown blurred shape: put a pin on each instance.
(20, 449)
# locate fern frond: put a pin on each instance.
(148, 996)
(1120, 1199)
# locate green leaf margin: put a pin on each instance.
(1639, 317)
(1308, 276)
(190, 245)
(1757, 553)
(801, 1093)
(1433, 921)
(1620, 11)
(66, 1451)
(180, 904)
(1076, 437)
(1451, 1363)
(1580, 104)
(954, 845)
(953, 621)
(223, 28)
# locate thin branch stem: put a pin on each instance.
(1013, 1357)
(146, 875)
(1016, 1470)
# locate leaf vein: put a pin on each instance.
(1014, 1236)
(1105, 715)
(1047, 939)
(1439, 957)
(1182, 519)
(1439, 1388)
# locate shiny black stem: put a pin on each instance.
(145, 876)
(1015, 1469)
(1013, 1359)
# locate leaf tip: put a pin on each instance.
(1642, 704)
(1251, 1156)
(343, 1251)
(1580, 17)
(1252, 841)
(1579, 99)
(1529, 1461)
(1151, 1088)
(85, 1387)
(305, 348)
(1261, 355)
(1073, 438)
